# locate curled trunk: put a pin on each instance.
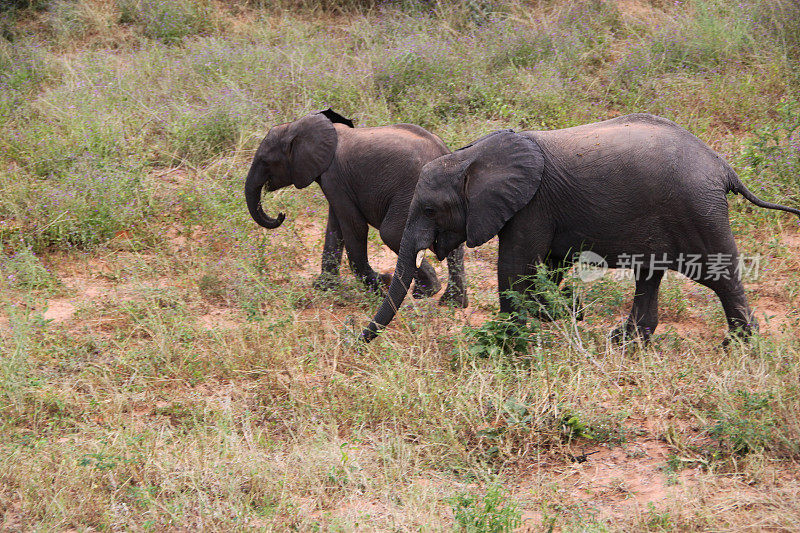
(252, 192)
(401, 281)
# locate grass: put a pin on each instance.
(165, 364)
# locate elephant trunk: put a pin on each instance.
(401, 281)
(252, 192)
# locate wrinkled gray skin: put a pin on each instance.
(368, 176)
(636, 184)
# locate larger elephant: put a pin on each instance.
(633, 186)
(368, 176)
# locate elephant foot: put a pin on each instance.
(378, 283)
(326, 282)
(627, 333)
(426, 290)
(384, 280)
(740, 335)
(454, 297)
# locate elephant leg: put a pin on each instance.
(730, 291)
(519, 254)
(514, 285)
(354, 231)
(643, 318)
(426, 282)
(456, 293)
(331, 254)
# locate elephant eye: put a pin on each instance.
(429, 211)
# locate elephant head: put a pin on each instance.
(295, 153)
(468, 195)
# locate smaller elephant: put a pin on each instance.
(368, 176)
(634, 188)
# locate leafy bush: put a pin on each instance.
(499, 337)
(748, 426)
(494, 513)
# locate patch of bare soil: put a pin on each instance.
(616, 480)
(88, 283)
(620, 484)
(219, 318)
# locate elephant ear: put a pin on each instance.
(504, 172)
(336, 118)
(312, 146)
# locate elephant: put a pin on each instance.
(368, 177)
(633, 186)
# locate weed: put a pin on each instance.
(73, 20)
(750, 426)
(99, 461)
(493, 513)
(658, 520)
(14, 365)
(499, 337)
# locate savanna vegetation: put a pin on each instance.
(165, 364)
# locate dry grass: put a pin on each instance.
(166, 365)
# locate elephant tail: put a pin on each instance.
(736, 186)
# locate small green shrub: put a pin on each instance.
(573, 427)
(749, 425)
(493, 513)
(499, 337)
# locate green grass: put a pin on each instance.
(165, 363)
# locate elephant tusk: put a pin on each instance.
(420, 257)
